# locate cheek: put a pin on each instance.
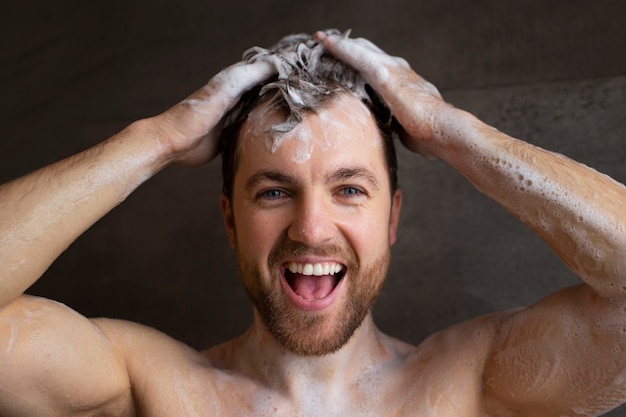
(256, 233)
(367, 233)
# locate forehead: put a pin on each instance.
(343, 124)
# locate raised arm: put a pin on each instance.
(53, 361)
(538, 359)
(576, 210)
(42, 213)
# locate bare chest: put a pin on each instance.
(441, 377)
(435, 391)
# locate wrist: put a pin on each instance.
(183, 136)
(157, 140)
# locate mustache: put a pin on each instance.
(287, 248)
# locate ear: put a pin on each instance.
(229, 220)
(394, 217)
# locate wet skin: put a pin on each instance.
(328, 193)
(339, 196)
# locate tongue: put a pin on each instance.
(311, 287)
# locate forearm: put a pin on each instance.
(576, 210)
(42, 213)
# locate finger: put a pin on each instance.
(360, 53)
(366, 43)
(224, 89)
(199, 113)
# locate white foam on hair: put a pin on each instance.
(306, 76)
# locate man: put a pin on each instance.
(311, 208)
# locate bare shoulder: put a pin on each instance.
(563, 353)
(141, 345)
(167, 377)
(54, 361)
(444, 374)
(472, 338)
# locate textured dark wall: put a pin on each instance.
(550, 72)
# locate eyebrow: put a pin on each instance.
(273, 176)
(343, 174)
(338, 175)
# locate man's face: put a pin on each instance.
(312, 218)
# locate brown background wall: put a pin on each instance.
(73, 73)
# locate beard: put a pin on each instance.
(309, 333)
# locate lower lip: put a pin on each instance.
(311, 305)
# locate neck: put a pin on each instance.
(264, 358)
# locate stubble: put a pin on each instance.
(309, 333)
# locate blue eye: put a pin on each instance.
(351, 191)
(272, 194)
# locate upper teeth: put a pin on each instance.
(327, 268)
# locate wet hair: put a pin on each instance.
(308, 79)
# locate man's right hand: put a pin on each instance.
(42, 213)
(192, 125)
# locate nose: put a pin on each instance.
(312, 223)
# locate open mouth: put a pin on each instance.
(313, 282)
